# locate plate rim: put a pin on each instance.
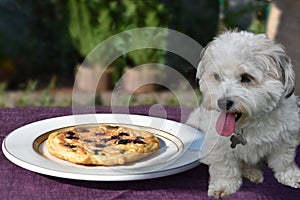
(99, 177)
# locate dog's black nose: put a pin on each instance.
(225, 104)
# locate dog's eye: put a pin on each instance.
(246, 78)
(217, 77)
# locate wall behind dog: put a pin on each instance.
(284, 27)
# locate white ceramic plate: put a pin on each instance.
(179, 151)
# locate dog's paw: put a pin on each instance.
(223, 188)
(290, 177)
(254, 175)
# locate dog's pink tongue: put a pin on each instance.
(225, 124)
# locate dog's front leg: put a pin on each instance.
(225, 178)
(285, 169)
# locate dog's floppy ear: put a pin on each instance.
(278, 58)
(285, 65)
(288, 75)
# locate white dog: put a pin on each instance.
(249, 112)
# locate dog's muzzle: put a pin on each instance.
(227, 119)
(225, 104)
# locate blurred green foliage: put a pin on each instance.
(248, 15)
(52, 36)
(34, 36)
(49, 37)
(28, 95)
(92, 22)
(3, 99)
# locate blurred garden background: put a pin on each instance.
(42, 43)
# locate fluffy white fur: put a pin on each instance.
(270, 113)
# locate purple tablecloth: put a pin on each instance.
(18, 183)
